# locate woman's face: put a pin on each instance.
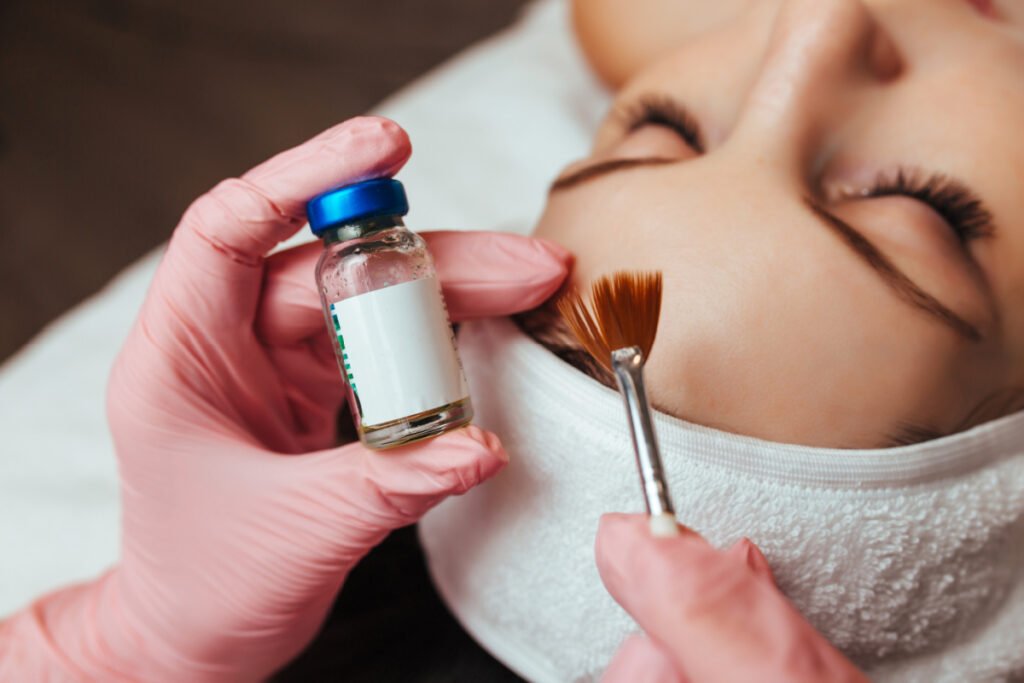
(833, 190)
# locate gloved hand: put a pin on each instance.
(708, 615)
(240, 521)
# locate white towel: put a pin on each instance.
(908, 559)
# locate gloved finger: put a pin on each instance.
(290, 311)
(715, 615)
(309, 378)
(365, 494)
(746, 552)
(641, 660)
(492, 273)
(215, 254)
(481, 273)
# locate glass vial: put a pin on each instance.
(383, 306)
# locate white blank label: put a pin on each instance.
(398, 351)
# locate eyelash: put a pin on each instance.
(959, 207)
(659, 110)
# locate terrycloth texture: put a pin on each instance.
(489, 130)
(908, 559)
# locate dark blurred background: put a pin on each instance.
(114, 114)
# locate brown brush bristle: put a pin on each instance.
(623, 311)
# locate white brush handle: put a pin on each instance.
(663, 525)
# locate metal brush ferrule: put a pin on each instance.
(628, 366)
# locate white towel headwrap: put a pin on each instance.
(908, 559)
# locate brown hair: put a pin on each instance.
(546, 326)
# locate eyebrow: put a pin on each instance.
(905, 288)
(602, 167)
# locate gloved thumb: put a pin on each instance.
(641, 660)
(718, 618)
(361, 495)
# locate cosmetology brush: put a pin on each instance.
(617, 328)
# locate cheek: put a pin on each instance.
(797, 346)
(770, 327)
(603, 228)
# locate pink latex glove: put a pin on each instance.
(240, 521)
(709, 615)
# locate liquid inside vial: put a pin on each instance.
(394, 344)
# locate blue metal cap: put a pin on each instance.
(377, 197)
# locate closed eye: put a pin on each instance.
(951, 199)
(896, 279)
(661, 110)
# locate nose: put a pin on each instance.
(819, 55)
